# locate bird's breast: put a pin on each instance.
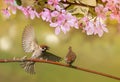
(37, 53)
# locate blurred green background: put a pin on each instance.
(100, 54)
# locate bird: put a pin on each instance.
(30, 45)
(70, 57)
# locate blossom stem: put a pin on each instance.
(60, 64)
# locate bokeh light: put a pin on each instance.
(5, 43)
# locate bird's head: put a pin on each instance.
(70, 48)
(44, 48)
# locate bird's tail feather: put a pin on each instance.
(28, 67)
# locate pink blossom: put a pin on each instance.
(24, 10)
(55, 13)
(114, 1)
(89, 28)
(53, 2)
(100, 27)
(101, 11)
(32, 13)
(72, 21)
(58, 8)
(36, 14)
(29, 12)
(46, 15)
(12, 8)
(95, 26)
(63, 21)
(110, 5)
(9, 1)
(66, 27)
(61, 18)
(6, 12)
(115, 16)
(85, 19)
(114, 7)
(57, 30)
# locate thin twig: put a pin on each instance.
(60, 64)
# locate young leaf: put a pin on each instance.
(18, 2)
(88, 2)
(79, 10)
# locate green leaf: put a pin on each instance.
(70, 0)
(92, 11)
(78, 10)
(87, 2)
(18, 2)
(27, 2)
(79, 15)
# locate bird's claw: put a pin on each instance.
(41, 58)
(46, 59)
(14, 58)
(23, 58)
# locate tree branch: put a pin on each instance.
(60, 64)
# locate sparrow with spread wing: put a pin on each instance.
(70, 57)
(30, 44)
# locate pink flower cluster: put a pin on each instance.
(53, 2)
(101, 11)
(9, 2)
(94, 26)
(112, 6)
(6, 12)
(29, 12)
(12, 6)
(61, 20)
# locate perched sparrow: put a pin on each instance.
(70, 57)
(30, 44)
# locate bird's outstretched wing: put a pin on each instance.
(29, 42)
(51, 57)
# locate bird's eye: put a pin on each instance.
(44, 48)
